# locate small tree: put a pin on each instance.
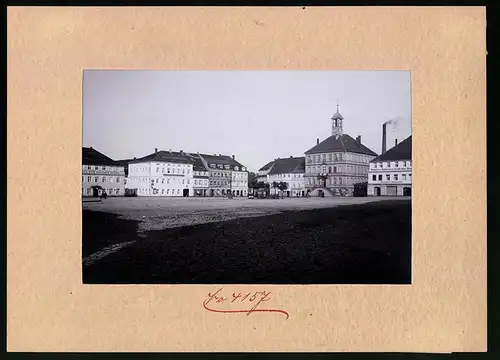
(275, 185)
(282, 186)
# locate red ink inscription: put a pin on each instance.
(244, 302)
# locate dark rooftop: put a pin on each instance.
(286, 166)
(164, 156)
(401, 151)
(197, 162)
(221, 159)
(342, 143)
(91, 156)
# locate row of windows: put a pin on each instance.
(336, 169)
(163, 180)
(201, 182)
(394, 177)
(159, 191)
(390, 164)
(227, 167)
(170, 168)
(338, 157)
(111, 179)
(105, 168)
(216, 174)
(219, 182)
(200, 173)
(89, 191)
(286, 176)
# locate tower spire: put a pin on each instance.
(337, 120)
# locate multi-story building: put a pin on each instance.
(101, 174)
(221, 178)
(200, 176)
(390, 173)
(163, 173)
(289, 170)
(239, 179)
(334, 165)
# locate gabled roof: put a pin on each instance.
(401, 151)
(164, 156)
(340, 143)
(267, 166)
(221, 160)
(91, 156)
(197, 162)
(286, 166)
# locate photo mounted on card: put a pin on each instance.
(246, 179)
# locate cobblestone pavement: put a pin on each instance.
(155, 213)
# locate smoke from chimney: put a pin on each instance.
(317, 141)
(384, 136)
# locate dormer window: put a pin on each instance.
(226, 166)
(220, 166)
(236, 168)
(212, 166)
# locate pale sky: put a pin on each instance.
(255, 115)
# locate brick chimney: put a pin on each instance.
(384, 136)
(358, 139)
(317, 141)
(233, 157)
(395, 142)
(182, 152)
(156, 150)
(291, 157)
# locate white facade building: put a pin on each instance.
(289, 170)
(163, 173)
(390, 173)
(101, 174)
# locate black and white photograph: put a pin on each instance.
(246, 177)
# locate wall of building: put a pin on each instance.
(391, 177)
(239, 183)
(295, 183)
(160, 179)
(110, 178)
(343, 170)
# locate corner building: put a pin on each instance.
(390, 173)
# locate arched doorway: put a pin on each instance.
(407, 191)
(377, 191)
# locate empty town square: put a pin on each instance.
(246, 177)
(219, 240)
